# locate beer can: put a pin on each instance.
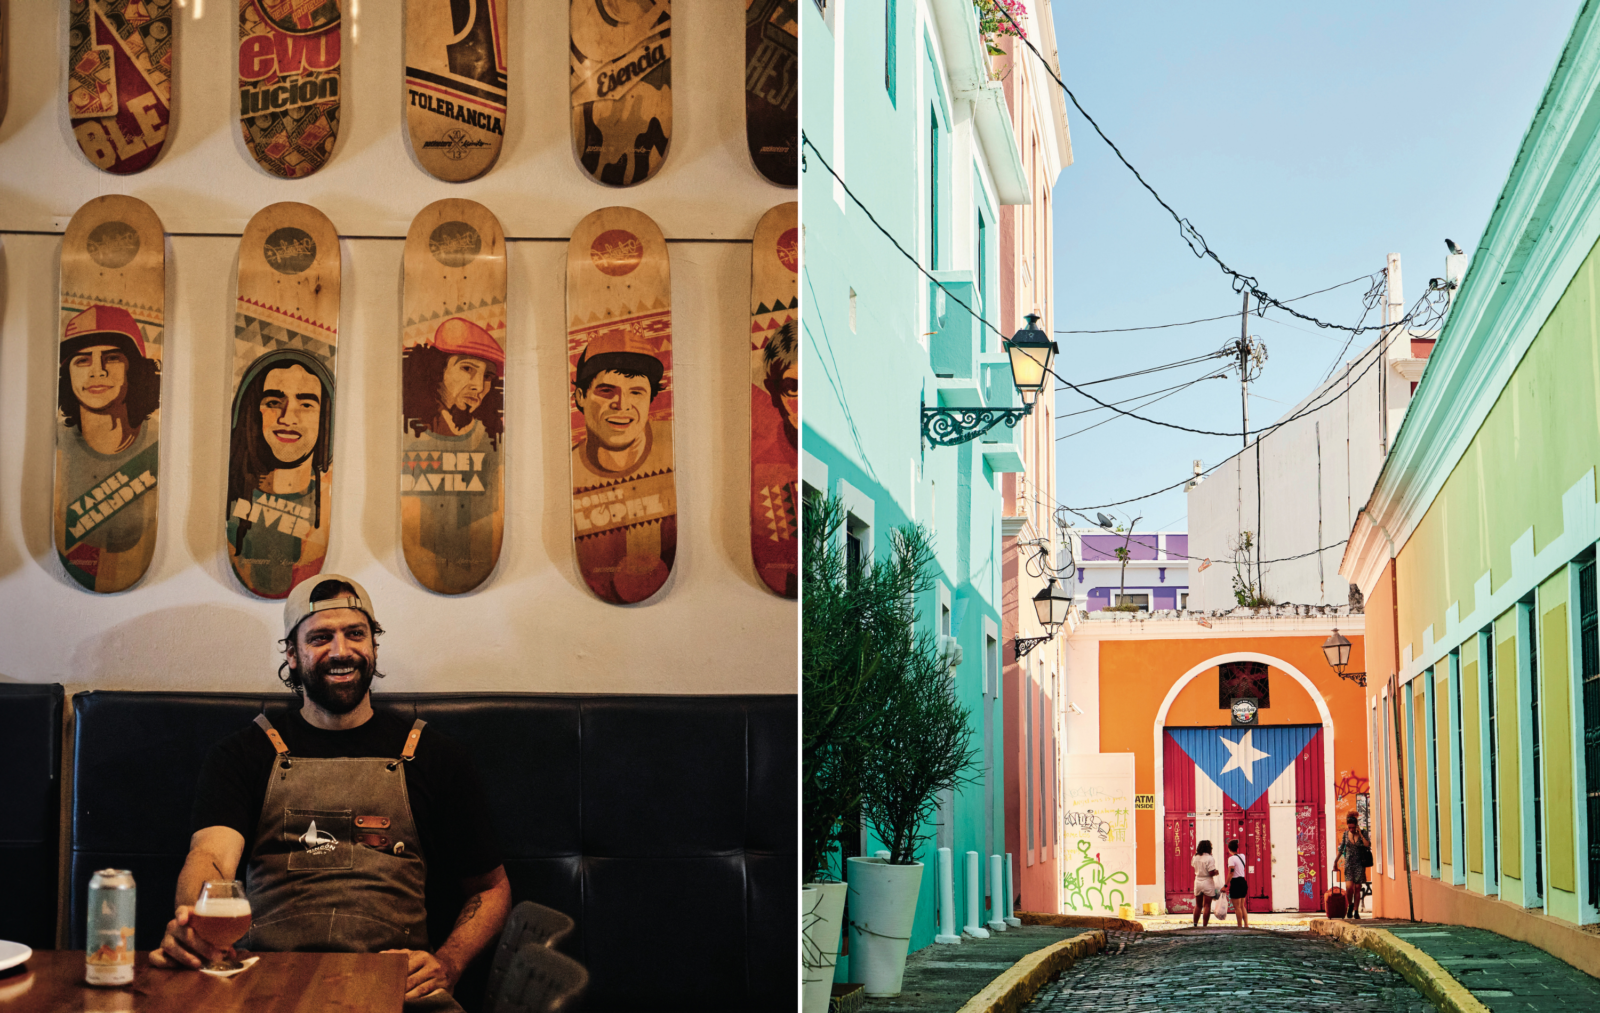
(112, 897)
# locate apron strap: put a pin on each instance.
(411, 740)
(272, 735)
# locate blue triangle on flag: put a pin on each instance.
(1243, 761)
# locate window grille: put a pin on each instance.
(1538, 743)
(1589, 635)
(1494, 754)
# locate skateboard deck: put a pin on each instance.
(119, 80)
(621, 80)
(280, 448)
(456, 85)
(289, 83)
(775, 400)
(452, 368)
(619, 358)
(108, 408)
(771, 84)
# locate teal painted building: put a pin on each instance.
(900, 105)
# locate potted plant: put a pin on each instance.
(847, 613)
(923, 748)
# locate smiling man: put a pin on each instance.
(625, 505)
(343, 817)
(278, 471)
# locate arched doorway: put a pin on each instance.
(1287, 832)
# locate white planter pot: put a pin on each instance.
(821, 912)
(883, 902)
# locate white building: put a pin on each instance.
(1315, 473)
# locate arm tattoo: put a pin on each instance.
(469, 910)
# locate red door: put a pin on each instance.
(1253, 832)
(1178, 798)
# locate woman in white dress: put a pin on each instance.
(1205, 881)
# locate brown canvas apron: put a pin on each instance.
(336, 865)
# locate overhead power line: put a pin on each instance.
(1191, 235)
(1208, 320)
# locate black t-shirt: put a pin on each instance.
(447, 802)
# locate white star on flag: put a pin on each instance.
(1242, 755)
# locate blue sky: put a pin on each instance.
(1305, 142)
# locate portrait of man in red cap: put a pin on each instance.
(453, 403)
(624, 504)
(109, 398)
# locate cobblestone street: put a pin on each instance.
(1224, 970)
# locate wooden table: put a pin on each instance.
(52, 980)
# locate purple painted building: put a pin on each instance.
(1157, 574)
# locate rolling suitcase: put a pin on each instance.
(1333, 903)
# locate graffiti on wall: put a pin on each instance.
(1352, 794)
(1097, 837)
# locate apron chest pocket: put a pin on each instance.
(317, 838)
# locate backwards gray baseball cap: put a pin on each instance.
(299, 604)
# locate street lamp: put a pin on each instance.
(1337, 650)
(1031, 351)
(1052, 605)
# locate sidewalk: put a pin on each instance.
(1501, 973)
(941, 978)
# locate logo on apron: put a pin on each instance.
(317, 842)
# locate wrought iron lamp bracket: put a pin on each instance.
(1022, 646)
(1359, 678)
(949, 427)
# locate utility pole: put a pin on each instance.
(1244, 371)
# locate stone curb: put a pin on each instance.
(1079, 922)
(1422, 971)
(1012, 989)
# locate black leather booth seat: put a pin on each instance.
(30, 811)
(665, 826)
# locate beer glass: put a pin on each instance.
(221, 917)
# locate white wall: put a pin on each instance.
(1348, 430)
(533, 626)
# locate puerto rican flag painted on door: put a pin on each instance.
(1262, 786)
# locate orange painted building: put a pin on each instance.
(1157, 687)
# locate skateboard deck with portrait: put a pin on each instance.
(119, 80)
(775, 399)
(456, 85)
(289, 83)
(280, 438)
(621, 81)
(452, 369)
(108, 407)
(772, 87)
(619, 360)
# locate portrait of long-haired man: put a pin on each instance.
(108, 399)
(451, 496)
(279, 464)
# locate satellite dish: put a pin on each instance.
(1105, 522)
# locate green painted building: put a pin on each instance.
(902, 120)
(1476, 553)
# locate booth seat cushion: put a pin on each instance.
(665, 826)
(30, 811)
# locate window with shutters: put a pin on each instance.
(1589, 637)
(1489, 652)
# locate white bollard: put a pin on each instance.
(947, 900)
(997, 900)
(974, 926)
(1011, 897)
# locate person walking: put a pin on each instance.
(1238, 885)
(1205, 881)
(1355, 851)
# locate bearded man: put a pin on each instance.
(342, 815)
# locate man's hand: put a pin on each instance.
(427, 973)
(180, 947)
